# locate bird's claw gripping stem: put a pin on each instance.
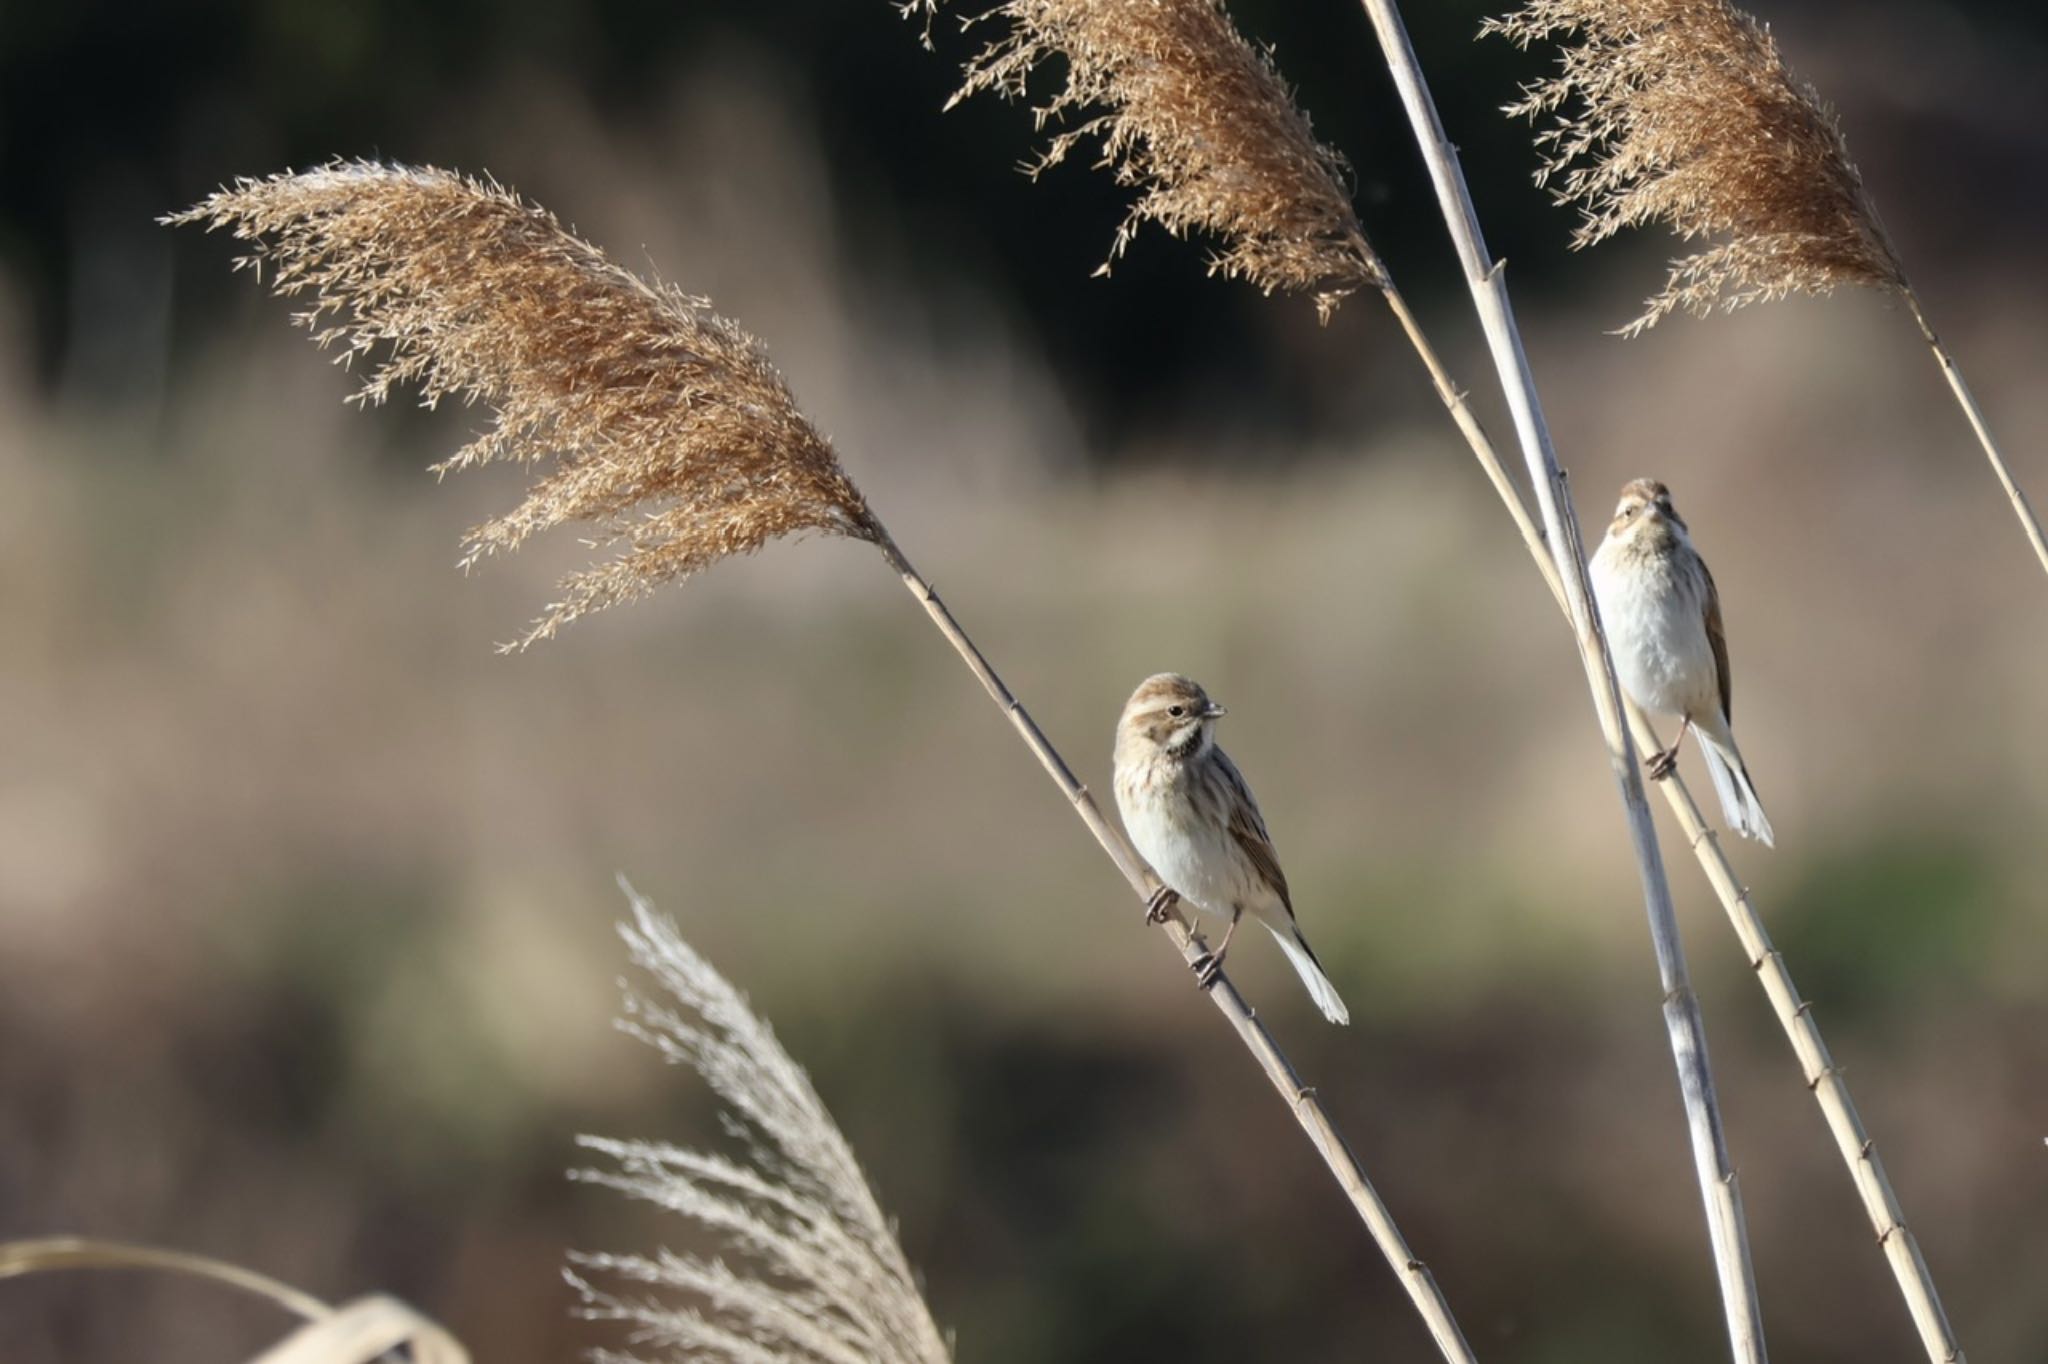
(1160, 905)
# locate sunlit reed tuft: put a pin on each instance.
(823, 1280)
(664, 426)
(1199, 121)
(1682, 112)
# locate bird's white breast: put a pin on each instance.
(1655, 615)
(1191, 848)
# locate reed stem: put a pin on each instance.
(1684, 1025)
(1300, 1098)
(1823, 1077)
(1967, 401)
(1475, 436)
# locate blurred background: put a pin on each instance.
(306, 906)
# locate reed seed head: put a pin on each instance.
(643, 413)
(820, 1277)
(1682, 112)
(1195, 118)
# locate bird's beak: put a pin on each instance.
(1212, 711)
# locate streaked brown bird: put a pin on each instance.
(1663, 619)
(1190, 813)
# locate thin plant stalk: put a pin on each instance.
(1301, 1099)
(1726, 1230)
(1817, 1066)
(1967, 401)
(1475, 436)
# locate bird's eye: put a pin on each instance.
(1176, 711)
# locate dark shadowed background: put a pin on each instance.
(306, 957)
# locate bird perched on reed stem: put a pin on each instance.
(1190, 813)
(1663, 619)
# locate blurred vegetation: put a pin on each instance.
(305, 957)
(111, 111)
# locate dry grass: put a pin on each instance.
(827, 1282)
(1199, 121)
(669, 430)
(1682, 112)
(359, 1332)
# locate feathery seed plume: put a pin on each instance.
(668, 429)
(1682, 112)
(827, 1283)
(1198, 120)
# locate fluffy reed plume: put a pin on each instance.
(1682, 112)
(667, 429)
(684, 423)
(826, 1281)
(359, 1332)
(1199, 121)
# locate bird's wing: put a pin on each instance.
(1718, 639)
(1248, 827)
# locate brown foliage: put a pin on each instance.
(1682, 112)
(667, 427)
(1200, 122)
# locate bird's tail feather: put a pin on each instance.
(1739, 803)
(1319, 988)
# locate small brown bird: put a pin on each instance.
(1190, 813)
(1663, 620)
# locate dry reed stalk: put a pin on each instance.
(1817, 1066)
(358, 1332)
(828, 1282)
(480, 295)
(1485, 277)
(1682, 112)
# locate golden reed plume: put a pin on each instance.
(667, 428)
(1200, 122)
(1682, 112)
